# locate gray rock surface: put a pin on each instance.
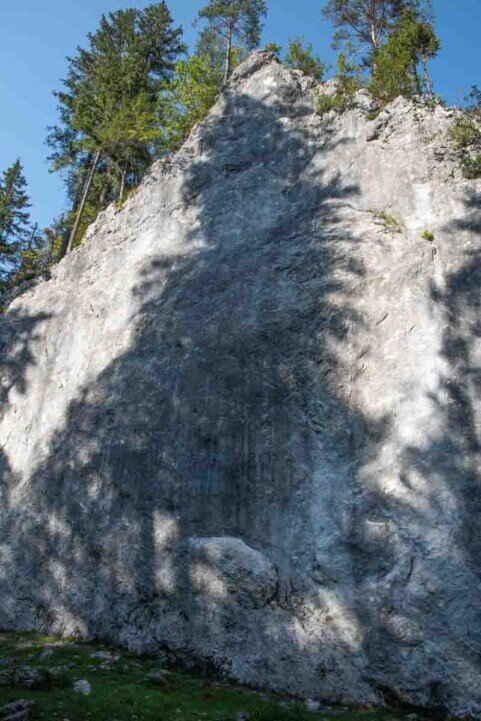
(19, 710)
(242, 422)
(83, 687)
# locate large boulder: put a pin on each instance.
(241, 423)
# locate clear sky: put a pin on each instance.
(37, 35)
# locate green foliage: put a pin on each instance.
(192, 93)
(465, 138)
(434, 101)
(241, 17)
(348, 82)
(473, 100)
(465, 133)
(14, 204)
(300, 56)
(14, 219)
(395, 64)
(362, 25)
(211, 45)
(273, 48)
(32, 258)
(427, 235)
(24, 251)
(326, 103)
(390, 222)
(472, 166)
(425, 40)
(229, 21)
(129, 59)
(109, 102)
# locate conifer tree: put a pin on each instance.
(32, 258)
(211, 46)
(273, 48)
(109, 116)
(427, 46)
(301, 56)
(195, 87)
(348, 82)
(234, 20)
(396, 65)
(474, 101)
(364, 25)
(14, 218)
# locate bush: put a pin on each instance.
(301, 57)
(434, 101)
(465, 136)
(347, 84)
(465, 133)
(472, 167)
(395, 64)
(326, 103)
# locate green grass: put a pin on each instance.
(124, 694)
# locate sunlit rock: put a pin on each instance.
(242, 422)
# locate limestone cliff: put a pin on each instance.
(242, 422)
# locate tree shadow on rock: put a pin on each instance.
(449, 466)
(227, 418)
(19, 334)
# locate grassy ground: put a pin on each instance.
(123, 693)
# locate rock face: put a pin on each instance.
(241, 423)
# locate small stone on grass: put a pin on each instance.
(158, 676)
(82, 687)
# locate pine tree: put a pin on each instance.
(211, 46)
(301, 56)
(14, 218)
(427, 46)
(465, 135)
(195, 87)
(230, 20)
(474, 102)
(348, 82)
(364, 25)
(273, 48)
(396, 64)
(32, 257)
(109, 109)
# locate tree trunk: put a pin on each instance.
(81, 207)
(228, 55)
(427, 77)
(373, 16)
(75, 205)
(103, 194)
(122, 185)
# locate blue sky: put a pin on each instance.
(35, 38)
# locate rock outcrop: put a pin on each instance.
(241, 424)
